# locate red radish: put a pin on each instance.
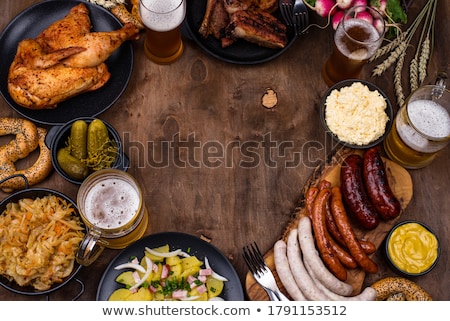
(324, 7)
(379, 25)
(336, 19)
(344, 4)
(380, 6)
(365, 15)
(359, 3)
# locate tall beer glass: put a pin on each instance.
(421, 128)
(162, 20)
(355, 41)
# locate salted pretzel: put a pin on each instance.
(28, 138)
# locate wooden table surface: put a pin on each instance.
(248, 192)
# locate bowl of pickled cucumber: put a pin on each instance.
(83, 146)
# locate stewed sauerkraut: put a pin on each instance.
(38, 241)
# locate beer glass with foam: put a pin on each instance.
(421, 128)
(162, 20)
(111, 205)
(357, 38)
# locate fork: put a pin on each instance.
(301, 17)
(261, 272)
(287, 11)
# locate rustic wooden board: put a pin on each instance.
(401, 184)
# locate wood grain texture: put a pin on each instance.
(235, 202)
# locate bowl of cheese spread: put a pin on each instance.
(356, 113)
(412, 248)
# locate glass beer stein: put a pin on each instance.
(422, 126)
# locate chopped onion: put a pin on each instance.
(168, 254)
(214, 274)
(130, 265)
(146, 275)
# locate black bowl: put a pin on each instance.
(397, 268)
(34, 193)
(346, 83)
(58, 136)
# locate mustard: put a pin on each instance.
(413, 248)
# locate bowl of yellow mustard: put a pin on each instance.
(412, 248)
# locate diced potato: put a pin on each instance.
(142, 294)
(173, 260)
(190, 271)
(175, 271)
(126, 278)
(158, 295)
(120, 295)
(190, 262)
(214, 286)
(161, 249)
(202, 297)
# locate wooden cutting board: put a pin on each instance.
(401, 184)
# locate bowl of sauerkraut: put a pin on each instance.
(40, 231)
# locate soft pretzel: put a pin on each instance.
(28, 138)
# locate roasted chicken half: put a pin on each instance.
(64, 60)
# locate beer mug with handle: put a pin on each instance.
(422, 126)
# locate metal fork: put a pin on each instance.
(301, 17)
(287, 12)
(261, 272)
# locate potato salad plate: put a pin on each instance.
(194, 246)
(33, 20)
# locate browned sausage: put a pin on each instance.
(333, 230)
(343, 223)
(310, 196)
(326, 251)
(354, 194)
(377, 185)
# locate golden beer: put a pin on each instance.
(162, 20)
(111, 206)
(420, 130)
(355, 41)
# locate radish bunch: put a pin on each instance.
(335, 9)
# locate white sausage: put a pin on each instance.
(312, 258)
(301, 276)
(284, 271)
(368, 294)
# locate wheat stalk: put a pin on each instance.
(414, 74)
(398, 79)
(396, 51)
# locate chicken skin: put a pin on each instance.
(37, 80)
(64, 60)
(74, 31)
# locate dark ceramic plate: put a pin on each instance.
(34, 193)
(232, 290)
(241, 52)
(28, 24)
(346, 83)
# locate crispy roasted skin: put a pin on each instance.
(74, 30)
(215, 20)
(259, 27)
(37, 80)
(64, 60)
(251, 20)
